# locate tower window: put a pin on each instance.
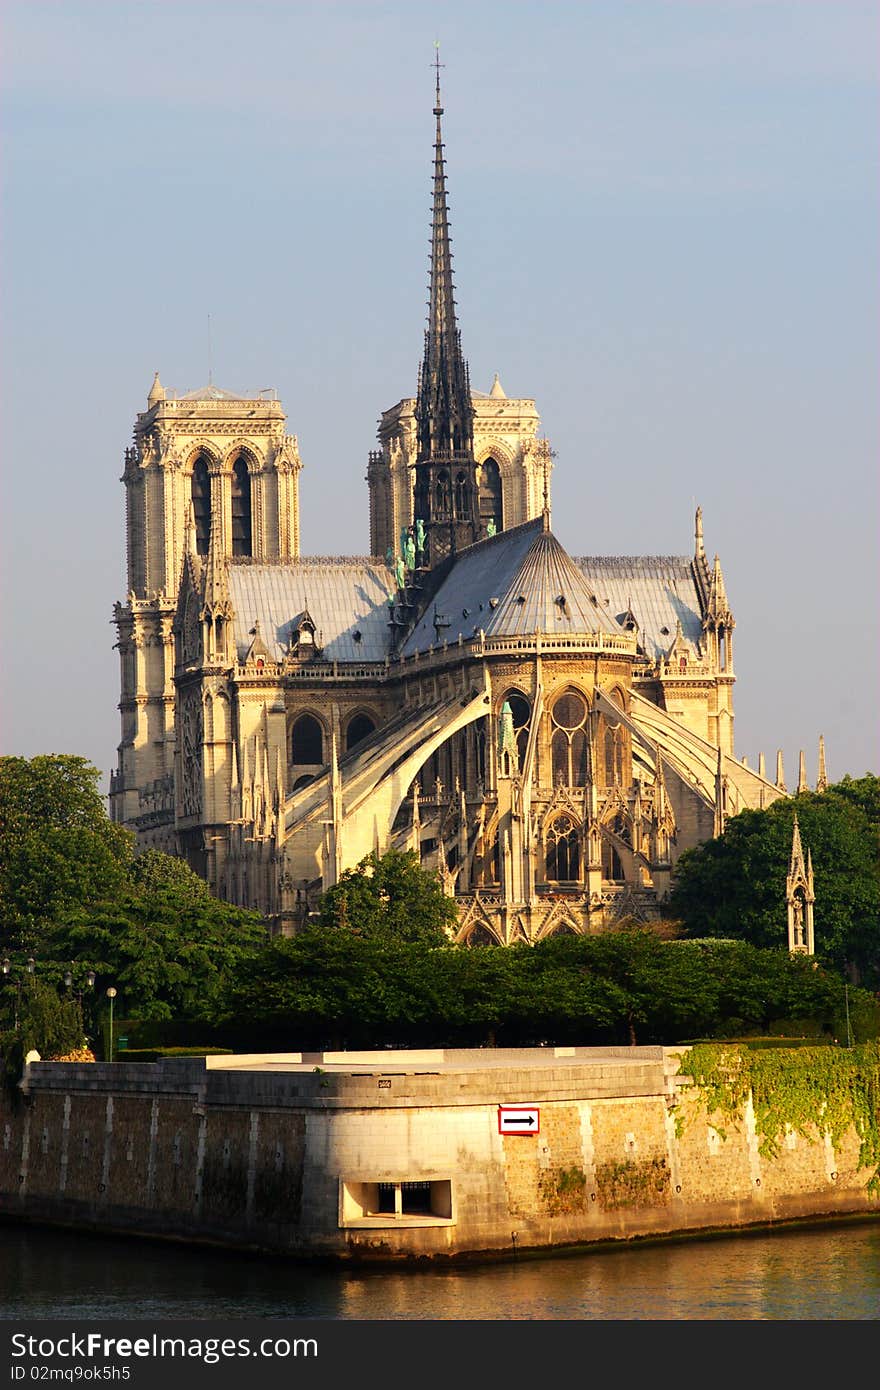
(563, 851)
(442, 494)
(490, 494)
(307, 742)
(201, 501)
(242, 536)
(569, 742)
(359, 728)
(462, 497)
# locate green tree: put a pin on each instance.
(734, 886)
(170, 952)
(58, 849)
(391, 897)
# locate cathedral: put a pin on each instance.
(547, 731)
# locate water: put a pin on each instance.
(832, 1272)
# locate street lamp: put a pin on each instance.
(111, 995)
(68, 983)
(5, 969)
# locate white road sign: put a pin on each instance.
(519, 1119)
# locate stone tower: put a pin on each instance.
(215, 471)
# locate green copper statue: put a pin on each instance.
(491, 528)
(420, 536)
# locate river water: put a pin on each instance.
(828, 1272)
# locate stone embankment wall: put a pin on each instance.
(399, 1156)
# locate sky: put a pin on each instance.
(665, 231)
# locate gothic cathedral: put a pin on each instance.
(547, 731)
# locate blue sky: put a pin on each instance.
(665, 227)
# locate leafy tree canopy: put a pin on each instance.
(734, 886)
(336, 989)
(58, 849)
(170, 954)
(74, 894)
(389, 897)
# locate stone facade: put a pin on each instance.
(395, 1156)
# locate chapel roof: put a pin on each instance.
(659, 589)
(517, 583)
(346, 598)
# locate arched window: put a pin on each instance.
(491, 508)
(462, 497)
(307, 742)
(242, 536)
(611, 866)
(522, 713)
(480, 936)
(201, 502)
(359, 728)
(563, 851)
(441, 494)
(569, 741)
(303, 781)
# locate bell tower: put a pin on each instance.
(221, 468)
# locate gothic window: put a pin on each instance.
(303, 781)
(490, 494)
(480, 749)
(563, 851)
(441, 494)
(201, 502)
(522, 713)
(614, 749)
(462, 497)
(307, 742)
(612, 868)
(568, 744)
(480, 936)
(359, 728)
(242, 537)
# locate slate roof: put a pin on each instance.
(516, 583)
(483, 589)
(660, 589)
(343, 596)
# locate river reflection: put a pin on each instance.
(832, 1272)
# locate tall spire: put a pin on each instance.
(780, 771)
(446, 498)
(802, 784)
(822, 779)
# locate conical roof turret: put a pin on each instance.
(157, 392)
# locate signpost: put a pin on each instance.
(519, 1119)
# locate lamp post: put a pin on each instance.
(77, 994)
(111, 995)
(6, 967)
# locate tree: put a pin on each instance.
(58, 848)
(734, 886)
(390, 897)
(170, 952)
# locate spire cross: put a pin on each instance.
(437, 65)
